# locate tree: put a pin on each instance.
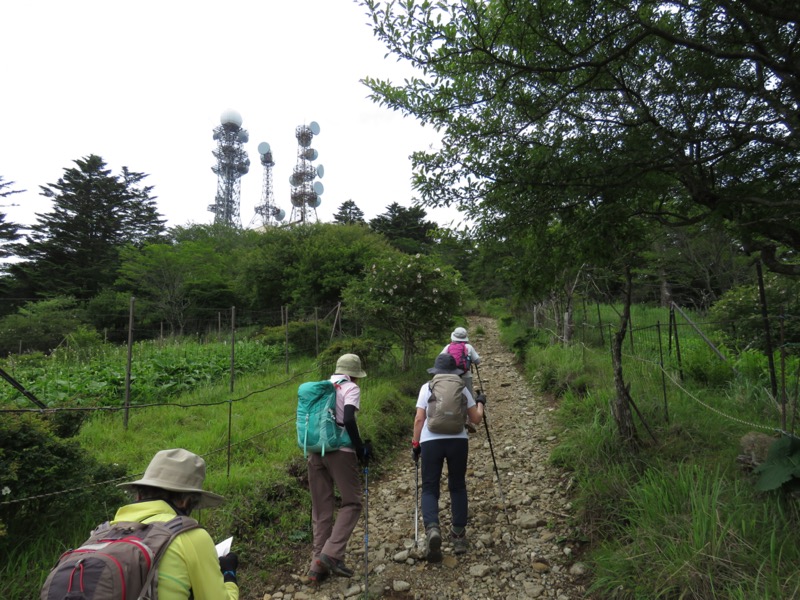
(410, 296)
(40, 325)
(74, 249)
(405, 228)
(306, 266)
(9, 232)
(191, 278)
(690, 109)
(349, 214)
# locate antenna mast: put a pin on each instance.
(306, 192)
(232, 163)
(269, 213)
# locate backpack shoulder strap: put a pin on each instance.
(176, 526)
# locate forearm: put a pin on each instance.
(475, 413)
(351, 426)
(419, 421)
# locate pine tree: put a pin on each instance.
(349, 214)
(74, 249)
(9, 232)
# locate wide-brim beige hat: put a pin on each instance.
(350, 364)
(178, 470)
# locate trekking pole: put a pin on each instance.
(366, 532)
(491, 449)
(416, 507)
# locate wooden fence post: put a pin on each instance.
(128, 366)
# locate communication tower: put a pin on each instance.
(269, 213)
(232, 163)
(306, 192)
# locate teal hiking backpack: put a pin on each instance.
(317, 429)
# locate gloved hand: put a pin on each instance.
(416, 450)
(228, 565)
(481, 399)
(365, 452)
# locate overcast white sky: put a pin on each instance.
(143, 84)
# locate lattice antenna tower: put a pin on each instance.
(270, 214)
(306, 192)
(232, 163)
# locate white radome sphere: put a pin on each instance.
(231, 116)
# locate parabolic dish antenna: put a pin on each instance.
(280, 215)
(315, 202)
(294, 180)
(314, 127)
(318, 188)
(311, 154)
(230, 116)
(263, 148)
(320, 171)
(243, 136)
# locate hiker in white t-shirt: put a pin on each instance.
(436, 448)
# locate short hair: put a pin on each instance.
(147, 492)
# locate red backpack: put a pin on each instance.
(118, 562)
(459, 351)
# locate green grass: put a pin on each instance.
(264, 480)
(676, 518)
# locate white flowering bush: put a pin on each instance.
(412, 297)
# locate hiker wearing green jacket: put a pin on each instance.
(173, 485)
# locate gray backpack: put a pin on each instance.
(117, 562)
(447, 406)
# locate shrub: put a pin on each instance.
(35, 462)
(39, 326)
(302, 336)
(738, 312)
(375, 355)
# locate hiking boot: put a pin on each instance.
(434, 544)
(316, 577)
(335, 566)
(460, 544)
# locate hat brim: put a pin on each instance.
(207, 499)
(359, 374)
(435, 371)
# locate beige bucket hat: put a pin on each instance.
(178, 470)
(350, 364)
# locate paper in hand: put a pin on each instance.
(224, 547)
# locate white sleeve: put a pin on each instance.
(474, 356)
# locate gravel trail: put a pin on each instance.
(522, 545)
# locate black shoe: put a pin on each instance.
(315, 577)
(434, 543)
(460, 544)
(335, 566)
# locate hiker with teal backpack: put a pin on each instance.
(440, 436)
(152, 548)
(333, 461)
(465, 356)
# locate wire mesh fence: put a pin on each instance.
(685, 354)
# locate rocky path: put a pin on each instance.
(522, 545)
